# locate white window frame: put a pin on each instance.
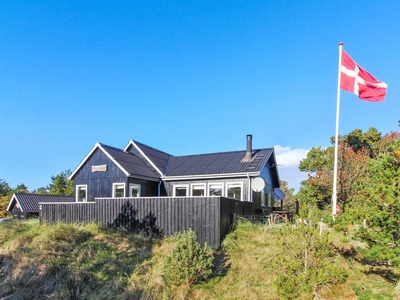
(202, 185)
(180, 186)
(115, 184)
(78, 187)
(220, 184)
(237, 184)
(135, 185)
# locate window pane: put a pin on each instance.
(180, 191)
(81, 193)
(234, 192)
(119, 191)
(198, 192)
(134, 190)
(215, 190)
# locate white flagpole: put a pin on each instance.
(335, 166)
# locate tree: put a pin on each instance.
(21, 188)
(377, 200)
(354, 151)
(40, 191)
(5, 194)
(290, 198)
(61, 185)
(317, 189)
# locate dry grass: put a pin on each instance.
(86, 262)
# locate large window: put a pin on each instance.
(181, 190)
(234, 190)
(81, 193)
(198, 189)
(215, 189)
(118, 190)
(134, 190)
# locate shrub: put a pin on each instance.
(189, 262)
(305, 263)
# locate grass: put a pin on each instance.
(69, 261)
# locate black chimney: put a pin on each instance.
(249, 149)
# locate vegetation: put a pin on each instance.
(60, 185)
(289, 203)
(368, 190)
(189, 262)
(356, 256)
(69, 261)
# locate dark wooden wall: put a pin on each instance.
(210, 217)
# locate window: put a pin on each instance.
(134, 190)
(181, 190)
(198, 189)
(118, 190)
(81, 193)
(215, 189)
(263, 197)
(234, 190)
(269, 197)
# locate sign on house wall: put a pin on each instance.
(99, 168)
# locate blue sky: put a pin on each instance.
(185, 77)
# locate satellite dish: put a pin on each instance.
(257, 184)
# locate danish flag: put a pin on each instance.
(353, 78)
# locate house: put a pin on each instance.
(139, 170)
(25, 206)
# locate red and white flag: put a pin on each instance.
(353, 78)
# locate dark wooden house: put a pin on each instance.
(141, 171)
(25, 206)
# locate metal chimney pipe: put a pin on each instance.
(249, 149)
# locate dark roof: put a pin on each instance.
(157, 157)
(130, 162)
(30, 202)
(218, 163)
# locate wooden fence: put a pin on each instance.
(210, 217)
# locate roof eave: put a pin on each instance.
(14, 197)
(97, 146)
(210, 176)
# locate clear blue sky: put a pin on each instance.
(185, 77)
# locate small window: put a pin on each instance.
(198, 189)
(134, 190)
(118, 190)
(81, 193)
(181, 190)
(215, 189)
(263, 198)
(269, 199)
(234, 190)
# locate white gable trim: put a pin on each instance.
(97, 146)
(131, 142)
(14, 197)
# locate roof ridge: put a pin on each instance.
(152, 148)
(46, 195)
(221, 152)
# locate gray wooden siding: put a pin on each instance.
(169, 184)
(210, 217)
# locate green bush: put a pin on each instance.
(305, 263)
(189, 262)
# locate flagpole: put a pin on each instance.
(335, 166)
